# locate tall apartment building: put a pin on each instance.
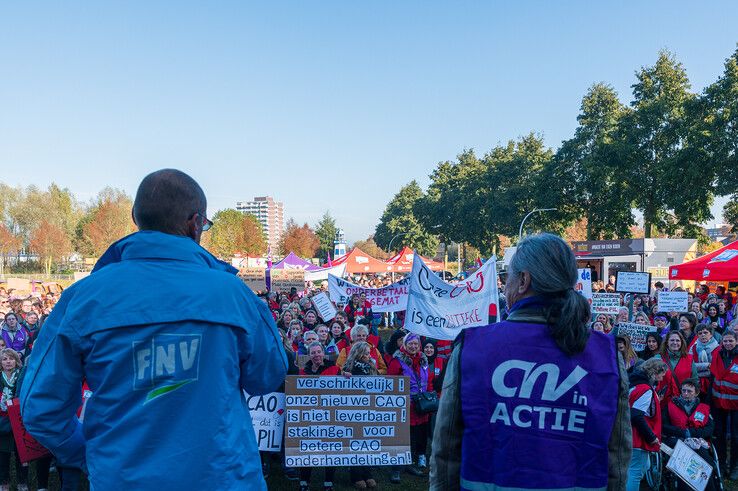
(270, 214)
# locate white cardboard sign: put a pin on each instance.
(672, 301)
(324, 306)
(267, 417)
(633, 282)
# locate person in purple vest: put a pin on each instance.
(538, 401)
(14, 334)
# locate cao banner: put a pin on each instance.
(391, 298)
(442, 310)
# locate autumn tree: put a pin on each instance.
(9, 244)
(108, 220)
(51, 243)
(233, 232)
(371, 248)
(300, 240)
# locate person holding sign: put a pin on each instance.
(318, 365)
(360, 362)
(513, 414)
(687, 417)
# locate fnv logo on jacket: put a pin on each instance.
(165, 363)
(540, 385)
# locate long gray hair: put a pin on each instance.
(553, 274)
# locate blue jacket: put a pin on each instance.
(166, 337)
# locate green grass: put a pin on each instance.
(278, 482)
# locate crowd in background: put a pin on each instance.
(684, 382)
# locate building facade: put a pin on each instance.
(270, 214)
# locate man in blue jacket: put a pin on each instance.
(167, 338)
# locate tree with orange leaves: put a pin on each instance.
(9, 243)
(110, 221)
(51, 243)
(300, 240)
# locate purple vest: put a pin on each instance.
(533, 417)
(19, 342)
(407, 371)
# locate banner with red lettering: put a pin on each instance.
(391, 298)
(442, 310)
(28, 448)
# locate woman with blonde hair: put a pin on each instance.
(360, 361)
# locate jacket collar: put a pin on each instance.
(531, 309)
(149, 244)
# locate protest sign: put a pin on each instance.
(323, 305)
(689, 466)
(286, 279)
(391, 298)
(19, 284)
(267, 417)
(28, 448)
(605, 303)
(636, 332)
(254, 278)
(633, 282)
(584, 283)
(338, 421)
(442, 310)
(672, 301)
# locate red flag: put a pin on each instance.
(330, 263)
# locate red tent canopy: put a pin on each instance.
(402, 262)
(720, 265)
(358, 261)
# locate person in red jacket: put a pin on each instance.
(645, 417)
(680, 366)
(686, 417)
(357, 308)
(318, 365)
(724, 369)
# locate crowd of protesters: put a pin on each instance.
(684, 382)
(22, 318)
(349, 345)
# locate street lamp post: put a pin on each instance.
(393, 239)
(520, 232)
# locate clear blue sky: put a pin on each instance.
(323, 105)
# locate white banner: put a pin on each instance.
(442, 310)
(322, 273)
(584, 283)
(391, 298)
(267, 418)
